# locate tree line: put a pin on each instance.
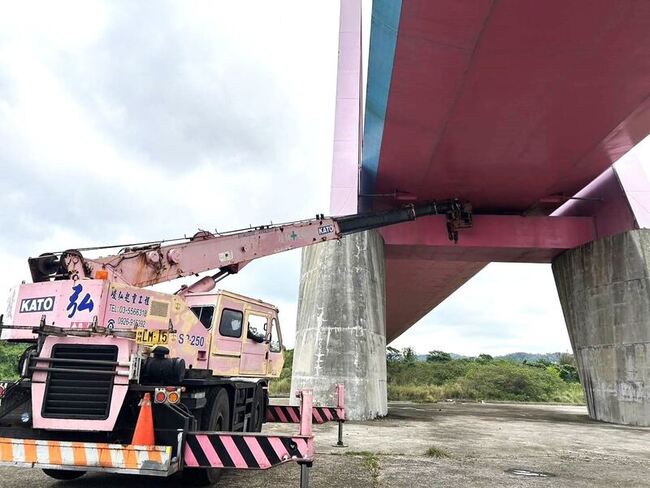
(442, 376)
(438, 376)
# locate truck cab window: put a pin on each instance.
(204, 314)
(257, 327)
(275, 341)
(230, 324)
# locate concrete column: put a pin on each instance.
(341, 329)
(604, 288)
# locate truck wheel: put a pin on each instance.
(216, 417)
(62, 474)
(259, 410)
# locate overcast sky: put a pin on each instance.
(131, 121)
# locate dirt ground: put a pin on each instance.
(469, 445)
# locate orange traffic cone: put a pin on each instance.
(143, 435)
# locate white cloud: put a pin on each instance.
(63, 24)
(149, 120)
(73, 175)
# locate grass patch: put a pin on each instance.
(280, 387)
(500, 380)
(416, 393)
(572, 393)
(436, 452)
(370, 461)
(359, 453)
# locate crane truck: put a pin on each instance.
(118, 377)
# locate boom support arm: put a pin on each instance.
(230, 252)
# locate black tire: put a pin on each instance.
(216, 417)
(63, 475)
(259, 409)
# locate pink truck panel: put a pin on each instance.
(120, 386)
(75, 304)
(64, 303)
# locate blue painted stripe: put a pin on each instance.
(383, 40)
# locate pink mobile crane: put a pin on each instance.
(101, 346)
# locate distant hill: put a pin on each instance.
(519, 357)
(423, 357)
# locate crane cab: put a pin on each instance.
(243, 333)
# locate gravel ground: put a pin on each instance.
(471, 445)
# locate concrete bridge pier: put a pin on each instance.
(341, 328)
(604, 288)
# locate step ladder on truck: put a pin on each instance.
(120, 378)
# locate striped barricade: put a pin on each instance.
(245, 451)
(87, 456)
(254, 451)
(290, 414)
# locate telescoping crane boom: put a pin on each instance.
(229, 252)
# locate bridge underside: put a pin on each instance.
(517, 106)
(512, 105)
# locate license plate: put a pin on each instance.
(152, 337)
